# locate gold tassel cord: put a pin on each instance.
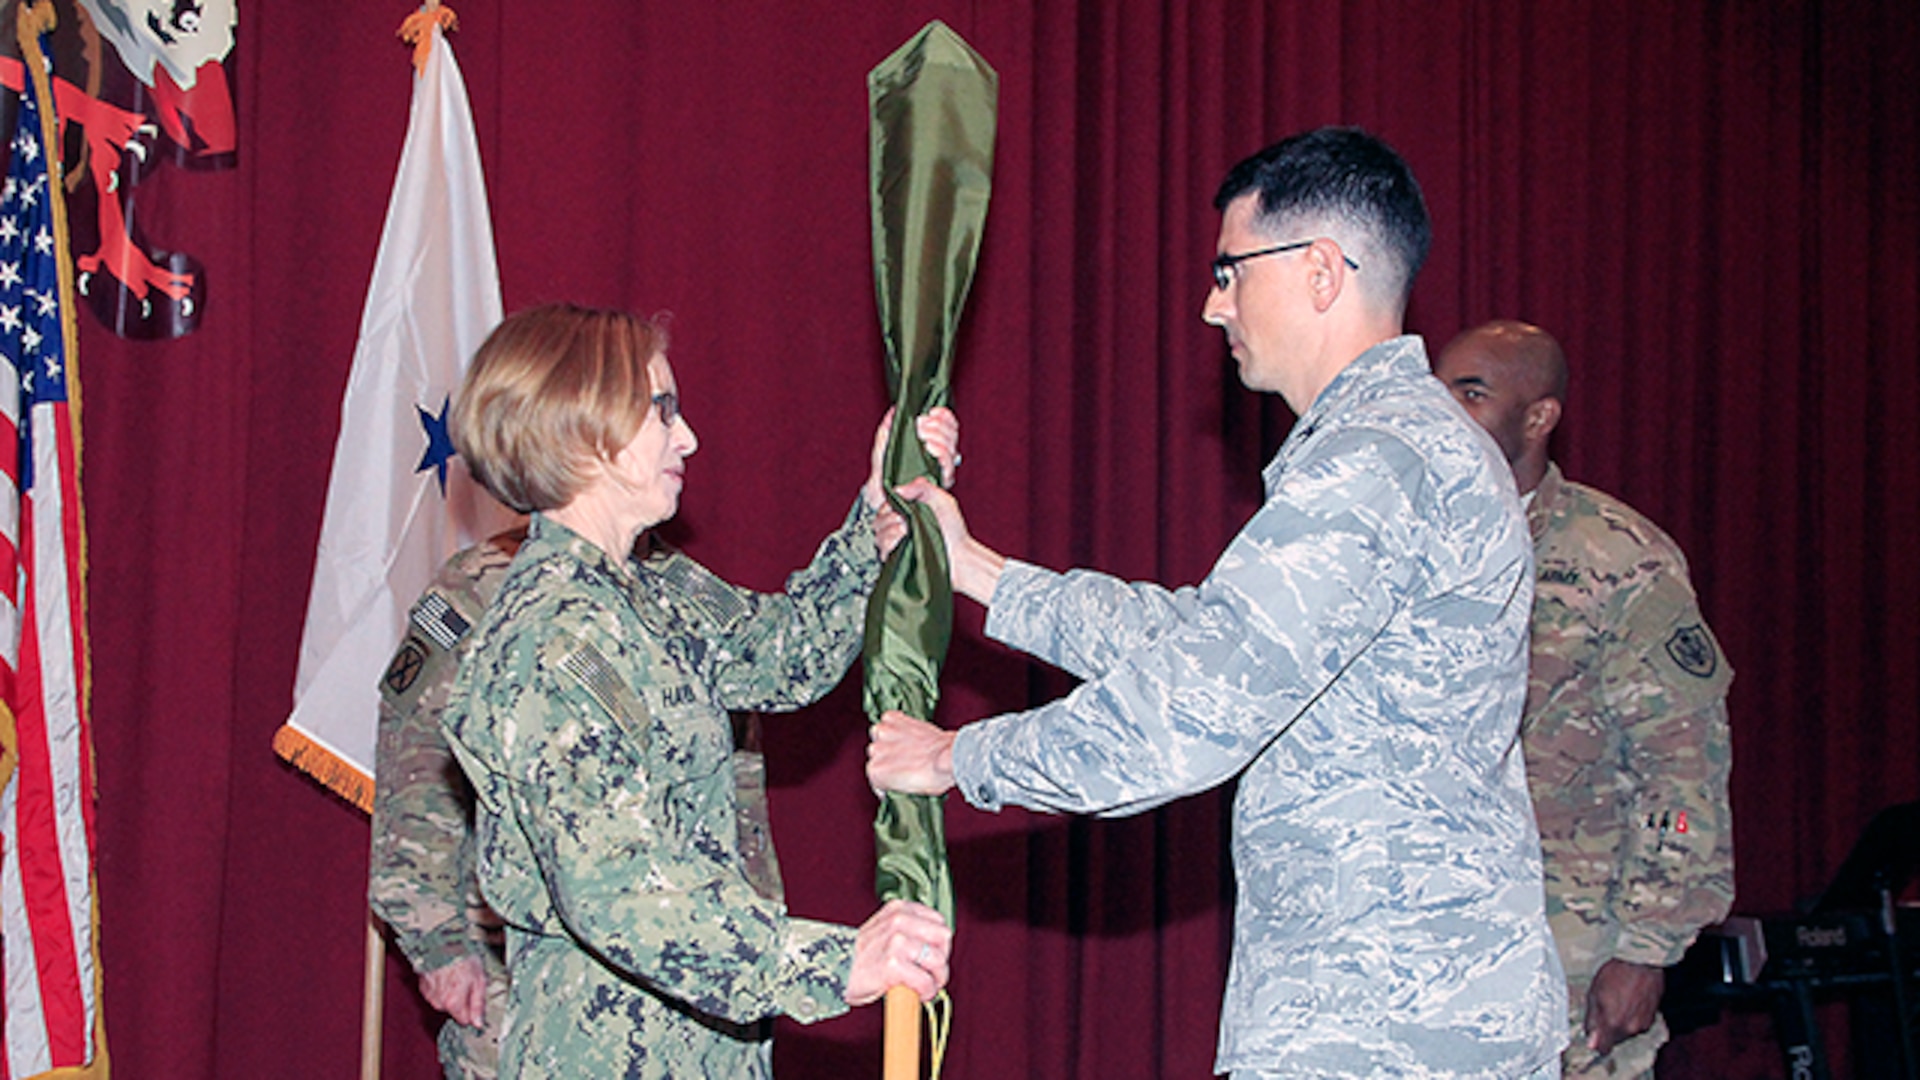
(939, 1026)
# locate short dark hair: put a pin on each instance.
(1347, 174)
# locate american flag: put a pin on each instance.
(50, 942)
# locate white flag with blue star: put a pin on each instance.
(399, 501)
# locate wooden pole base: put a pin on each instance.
(900, 1053)
(372, 999)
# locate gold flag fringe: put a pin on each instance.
(334, 772)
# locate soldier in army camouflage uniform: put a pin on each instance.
(1626, 731)
(421, 879)
(1357, 658)
(591, 716)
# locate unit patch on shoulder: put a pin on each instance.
(1693, 650)
(407, 664)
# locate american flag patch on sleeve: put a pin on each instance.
(437, 619)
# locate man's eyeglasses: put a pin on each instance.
(1223, 265)
(669, 406)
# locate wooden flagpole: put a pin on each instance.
(900, 1050)
(372, 1000)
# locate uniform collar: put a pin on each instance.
(548, 533)
(1545, 498)
(1394, 358)
(1390, 363)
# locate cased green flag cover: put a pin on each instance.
(933, 108)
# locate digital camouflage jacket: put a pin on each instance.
(1357, 658)
(592, 716)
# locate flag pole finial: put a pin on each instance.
(32, 20)
(417, 30)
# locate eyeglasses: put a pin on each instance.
(1223, 265)
(669, 406)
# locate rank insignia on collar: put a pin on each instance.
(1693, 650)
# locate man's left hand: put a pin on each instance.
(1621, 1003)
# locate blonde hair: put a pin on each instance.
(551, 390)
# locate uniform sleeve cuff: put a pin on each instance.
(1651, 949)
(860, 526)
(970, 773)
(815, 964)
(1016, 577)
(436, 948)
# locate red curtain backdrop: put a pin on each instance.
(1711, 204)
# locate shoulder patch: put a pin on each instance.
(590, 669)
(1691, 647)
(438, 620)
(408, 662)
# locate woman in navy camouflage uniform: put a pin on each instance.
(592, 720)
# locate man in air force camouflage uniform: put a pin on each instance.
(423, 880)
(1626, 731)
(1357, 658)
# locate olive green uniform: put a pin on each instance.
(1627, 749)
(421, 868)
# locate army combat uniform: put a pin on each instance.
(1627, 749)
(593, 720)
(1357, 657)
(421, 878)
